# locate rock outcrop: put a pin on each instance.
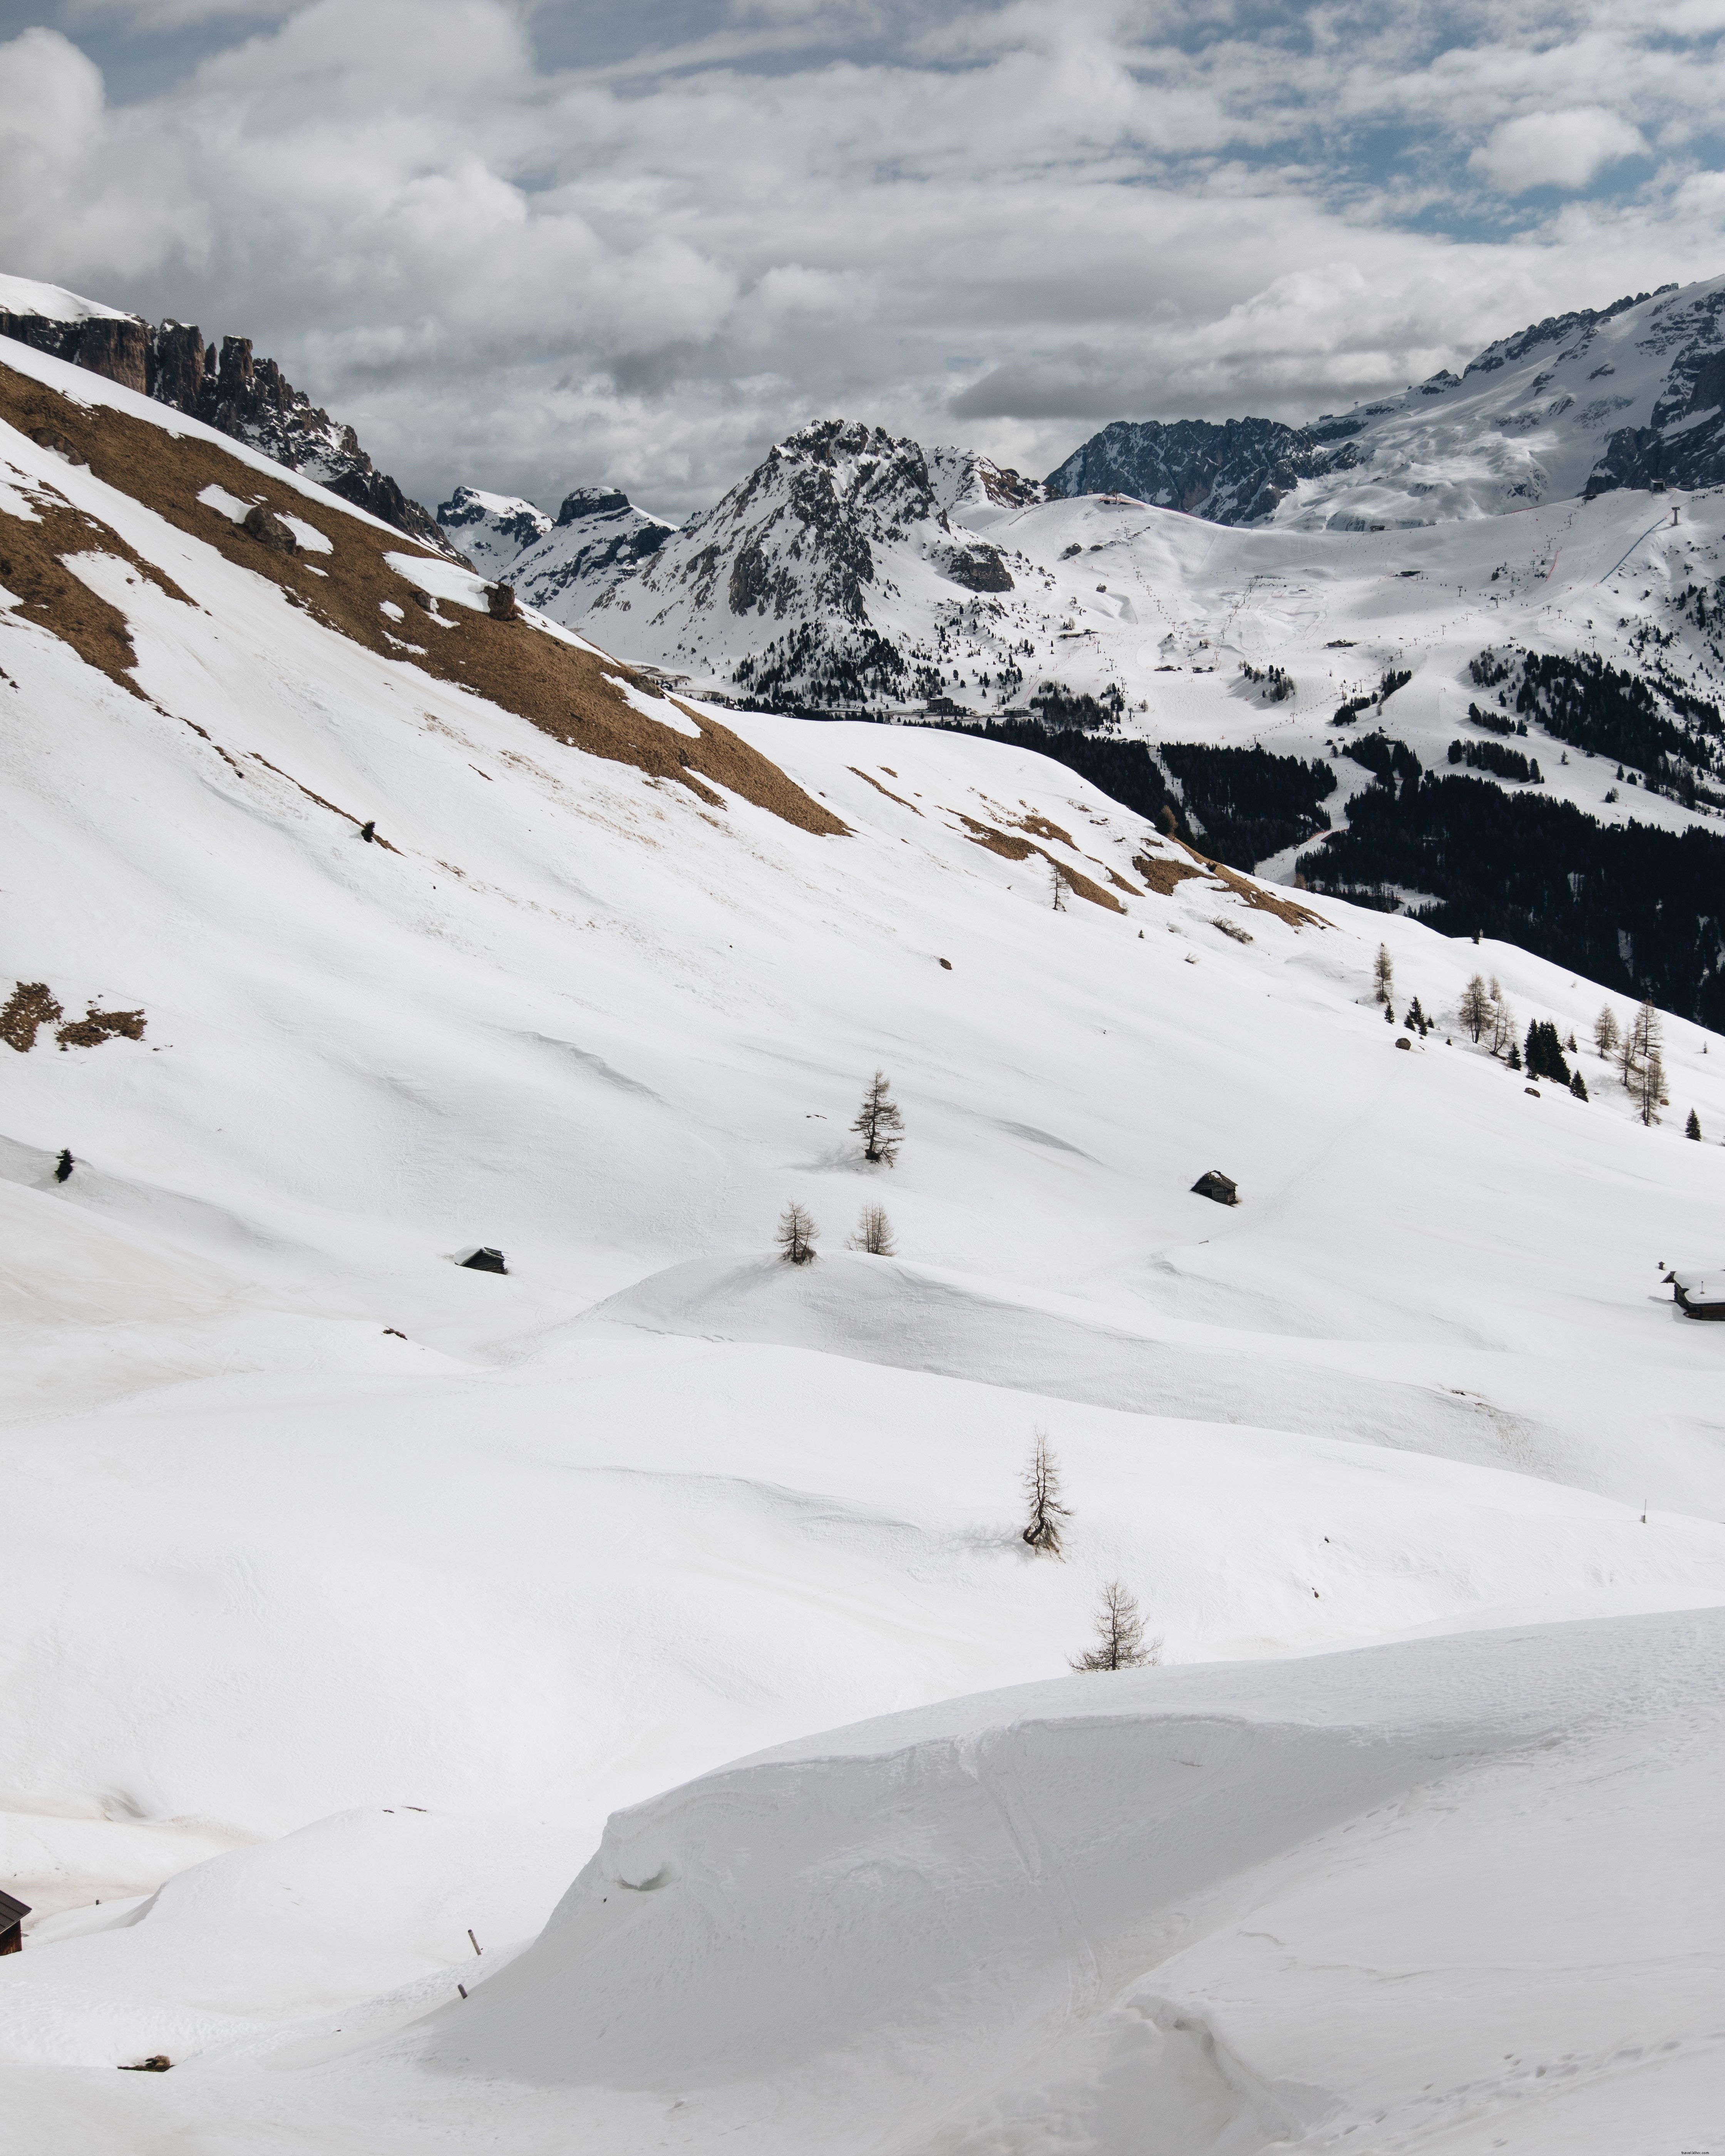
(1234, 471)
(249, 399)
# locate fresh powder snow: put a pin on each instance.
(357, 1603)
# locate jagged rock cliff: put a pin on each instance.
(1237, 472)
(249, 398)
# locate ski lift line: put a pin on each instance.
(1618, 563)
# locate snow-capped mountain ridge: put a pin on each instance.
(1575, 404)
(564, 564)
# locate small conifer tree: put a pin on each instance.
(1578, 1085)
(1042, 1495)
(1383, 974)
(878, 1121)
(1606, 1032)
(1692, 1129)
(1476, 1007)
(874, 1233)
(1120, 1635)
(796, 1235)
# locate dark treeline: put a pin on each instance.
(1061, 708)
(1492, 755)
(1603, 712)
(822, 672)
(1124, 770)
(1251, 803)
(1637, 909)
(1384, 758)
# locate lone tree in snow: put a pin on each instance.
(1648, 1033)
(1649, 1086)
(1060, 887)
(1383, 975)
(796, 1235)
(1578, 1084)
(874, 1233)
(1606, 1032)
(1503, 1025)
(1120, 1635)
(1476, 1007)
(1042, 1493)
(878, 1123)
(1692, 1129)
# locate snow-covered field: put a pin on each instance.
(348, 1591)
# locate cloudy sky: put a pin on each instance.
(531, 244)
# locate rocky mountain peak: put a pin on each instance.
(562, 565)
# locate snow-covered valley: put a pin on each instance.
(351, 1591)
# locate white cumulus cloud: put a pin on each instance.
(1556, 149)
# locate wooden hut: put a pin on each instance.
(13, 1912)
(1700, 1295)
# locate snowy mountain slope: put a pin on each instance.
(306, 1519)
(560, 565)
(251, 400)
(1579, 403)
(1394, 1894)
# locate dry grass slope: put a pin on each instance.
(559, 690)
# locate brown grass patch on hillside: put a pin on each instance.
(1263, 901)
(559, 690)
(879, 788)
(1163, 875)
(96, 1027)
(997, 842)
(1020, 850)
(33, 563)
(30, 1005)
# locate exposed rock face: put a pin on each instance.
(251, 400)
(561, 565)
(1234, 472)
(979, 569)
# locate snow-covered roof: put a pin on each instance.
(1708, 1287)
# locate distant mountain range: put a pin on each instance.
(1302, 645)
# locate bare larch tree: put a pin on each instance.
(1120, 1635)
(1606, 1032)
(874, 1233)
(796, 1235)
(1042, 1494)
(1476, 1007)
(878, 1123)
(1383, 975)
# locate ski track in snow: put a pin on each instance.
(348, 1593)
